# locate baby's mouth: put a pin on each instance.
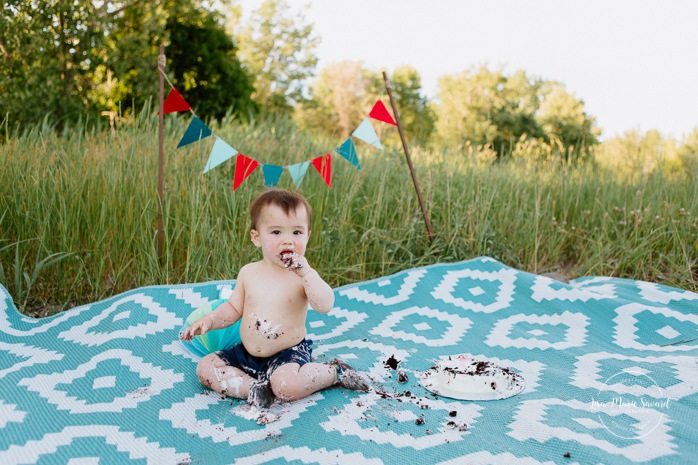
(286, 256)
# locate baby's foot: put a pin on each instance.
(347, 377)
(260, 394)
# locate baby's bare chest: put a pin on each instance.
(275, 296)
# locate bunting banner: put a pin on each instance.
(175, 103)
(298, 172)
(244, 166)
(380, 113)
(348, 151)
(323, 165)
(272, 173)
(366, 133)
(196, 131)
(220, 153)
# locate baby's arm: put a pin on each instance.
(225, 315)
(320, 294)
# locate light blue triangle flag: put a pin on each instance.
(348, 151)
(272, 173)
(298, 172)
(220, 152)
(366, 133)
(197, 130)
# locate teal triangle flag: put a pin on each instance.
(348, 151)
(272, 173)
(298, 172)
(197, 130)
(366, 133)
(220, 152)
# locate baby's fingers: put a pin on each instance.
(189, 333)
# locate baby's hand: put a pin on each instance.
(200, 326)
(300, 265)
(294, 262)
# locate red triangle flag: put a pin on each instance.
(175, 102)
(323, 165)
(244, 166)
(380, 113)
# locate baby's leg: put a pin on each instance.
(221, 377)
(292, 381)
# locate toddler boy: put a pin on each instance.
(271, 298)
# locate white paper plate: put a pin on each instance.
(508, 383)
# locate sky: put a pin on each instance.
(634, 63)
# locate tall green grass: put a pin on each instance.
(78, 212)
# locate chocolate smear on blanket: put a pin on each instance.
(392, 362)
(260, 394)
(458, 426)
(353, 380)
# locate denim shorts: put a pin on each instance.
(262, 367)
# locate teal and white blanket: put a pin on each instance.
(610, 368)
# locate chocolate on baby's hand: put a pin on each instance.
(288, 262)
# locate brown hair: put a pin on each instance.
(288, 201)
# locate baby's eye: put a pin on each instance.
(276, 232)
(298, 232)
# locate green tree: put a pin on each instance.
(340, 98)
(563, 120)
(487, 108)
(205, 67)
(50, 50)
(417, 117)
(277, 47)
(492, 109)
(136, 29)
(343, 94)
(69, 59)
(688, 152)
(638, 153)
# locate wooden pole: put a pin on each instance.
(409, 160)
(161, 124)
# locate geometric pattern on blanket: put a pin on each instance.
(110, 382)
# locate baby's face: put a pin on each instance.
(279, 233)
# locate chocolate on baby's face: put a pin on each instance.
(280, 236)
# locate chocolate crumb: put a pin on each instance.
(567, 455)
(401, 376)
(453, 424)
(452, 413)
(392, 362)
(419, 421)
